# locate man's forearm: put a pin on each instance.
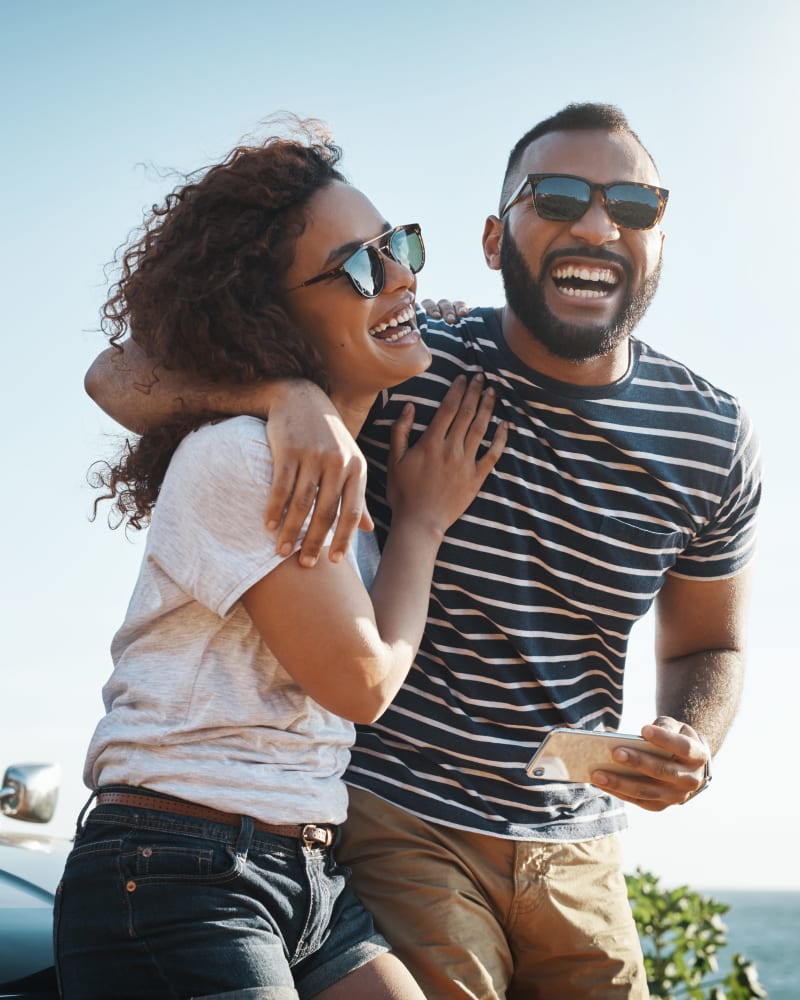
(704, 690)
(140, 393)
(316, 462)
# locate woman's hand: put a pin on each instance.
(435, 481)
(303, 615)
(444, 308)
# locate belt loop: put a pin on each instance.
(79, 826)
(244, 840)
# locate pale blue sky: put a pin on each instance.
(99, 100)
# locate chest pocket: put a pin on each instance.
(623, 568)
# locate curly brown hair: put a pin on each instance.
(202, 289)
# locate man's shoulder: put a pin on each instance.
(656, 367)
(463, 343)
(478, 322)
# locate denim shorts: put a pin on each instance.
(155, 904)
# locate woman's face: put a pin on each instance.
(361, 349)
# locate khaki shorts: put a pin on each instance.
(482, 917)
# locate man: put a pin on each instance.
(626, 479)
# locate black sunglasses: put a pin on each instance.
(364, 267)
(564, 198)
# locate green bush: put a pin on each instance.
(681, 933)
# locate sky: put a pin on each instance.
(103, 103)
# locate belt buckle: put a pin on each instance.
(316, 836)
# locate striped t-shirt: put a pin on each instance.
(600, 492)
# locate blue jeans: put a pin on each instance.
(154, 904)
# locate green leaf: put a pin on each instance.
(681, 932)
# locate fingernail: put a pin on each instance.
(622, 755)
(272, 525)
(285, 549)
(308, 561)
(451, 316)
(336, 557)
(598, 778)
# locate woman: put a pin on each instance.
(207, 866)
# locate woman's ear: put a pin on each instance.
(492, 241)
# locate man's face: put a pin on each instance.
(580, 287)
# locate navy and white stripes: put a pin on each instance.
(599, 493)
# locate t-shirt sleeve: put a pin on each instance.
(727, 543)
(208, 531)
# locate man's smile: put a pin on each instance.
(584, 282)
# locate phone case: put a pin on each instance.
(572, 754)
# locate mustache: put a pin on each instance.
(593, 253)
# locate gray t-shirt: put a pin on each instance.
(197, 706)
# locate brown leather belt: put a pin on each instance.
(312, 834)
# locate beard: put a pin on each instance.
(570, 341)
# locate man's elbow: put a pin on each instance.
(103, 385)
(93, 382)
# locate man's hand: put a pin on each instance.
(317, 463)
(451, 311)
(661, 782)
(315, 458)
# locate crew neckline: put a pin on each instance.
(554, 385)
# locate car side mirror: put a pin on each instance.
(30, 792)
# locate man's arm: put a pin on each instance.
(317, 462)
(700, 637)
(315, 457)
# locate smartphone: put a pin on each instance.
(572, 754)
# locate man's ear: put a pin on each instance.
(492, 241)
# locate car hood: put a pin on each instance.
(34, 862)
(30, 868)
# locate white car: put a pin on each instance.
(30, 868)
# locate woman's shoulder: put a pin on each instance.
(227, 430)
(229, 448)
(230, 432)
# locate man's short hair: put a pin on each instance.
(574, 117)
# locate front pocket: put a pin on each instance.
(150, 857)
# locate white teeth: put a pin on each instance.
(397, 336)
(583, 293)
(405, 316)
(598, 274)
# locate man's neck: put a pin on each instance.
(605, 370)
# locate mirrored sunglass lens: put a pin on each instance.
(365, 269)
(632, 207)
(561, 199)
(406, 249)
